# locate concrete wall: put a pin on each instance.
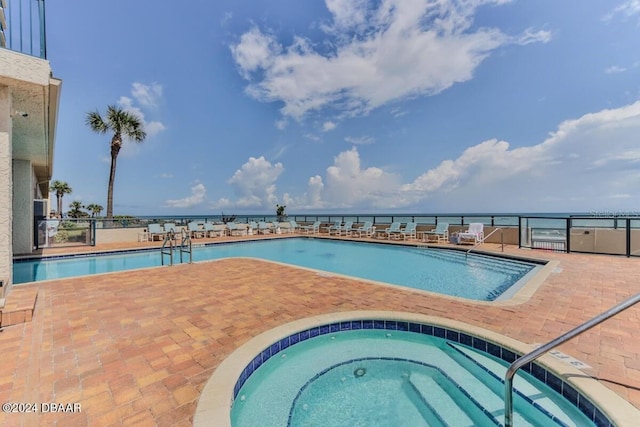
(114, 235)
(6, 217)
(599, 240)
(23, 195)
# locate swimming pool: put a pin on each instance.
(381, 377)
(448, 272)
(388, 369)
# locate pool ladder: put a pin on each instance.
(168, 247)
(530, 357)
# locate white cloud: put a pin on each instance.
(583, 162)
(147, 95)
(349, 185)
(627, 9)
(361, 140)
(198, 193)
(614, 69)
(151, 128)
(281, 124)
(166, 175)
(531, 36)
(327, 126)
(380, 52)
(254, 184)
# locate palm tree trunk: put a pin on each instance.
(59, 196)
(112, 177)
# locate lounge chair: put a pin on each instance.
(346, 229)
(195, 231)
(294, 227)
(234, 230)
(439, 234)
(170, 228)
(253, 228)
(367, 229)
(409, 231)
(335, 228)
(263, 228)
(393, 229)
(313, 228)
(210, 230)
(155, 230)
(474, 234)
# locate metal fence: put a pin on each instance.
(584, 234)
(598, 235)
(51, 233)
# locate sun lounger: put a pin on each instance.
(234, 229)
(474, 234)
(211, 230)
(335, 228)
(439, 234)
(311, 229)
(367, 229)
(194, 230)
(263, 228)
(394, 229)
(409, 231)
(294, 227)
(155, 230)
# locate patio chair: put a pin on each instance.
(210, 230)
(294, 227)
(440, 233)
(155, 230)
(171, 229)
(234, 229)
(195, 231)
(313, 228)
(391, 230)
(367, 229)
(347, 229)
(337, 225)
(409, 231)
(474, 234)
(263, 228)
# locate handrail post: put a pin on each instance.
(528, 358)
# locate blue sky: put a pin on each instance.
(352, 106)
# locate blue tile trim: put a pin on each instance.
(572, 395)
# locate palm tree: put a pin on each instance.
(94, 209)
(74, 209)
(61, 188)
(123, 124)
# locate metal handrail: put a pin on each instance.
(528, 358)
(169, 237)
(186, 243)
(485, 238)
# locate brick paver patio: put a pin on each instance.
(137, 347)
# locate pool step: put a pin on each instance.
(530, 403)
(442, 403)
(509, 267)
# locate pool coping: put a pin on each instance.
(216, 398)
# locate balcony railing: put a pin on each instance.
(23, 27)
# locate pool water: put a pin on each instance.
(444, 271)
(391, 378)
